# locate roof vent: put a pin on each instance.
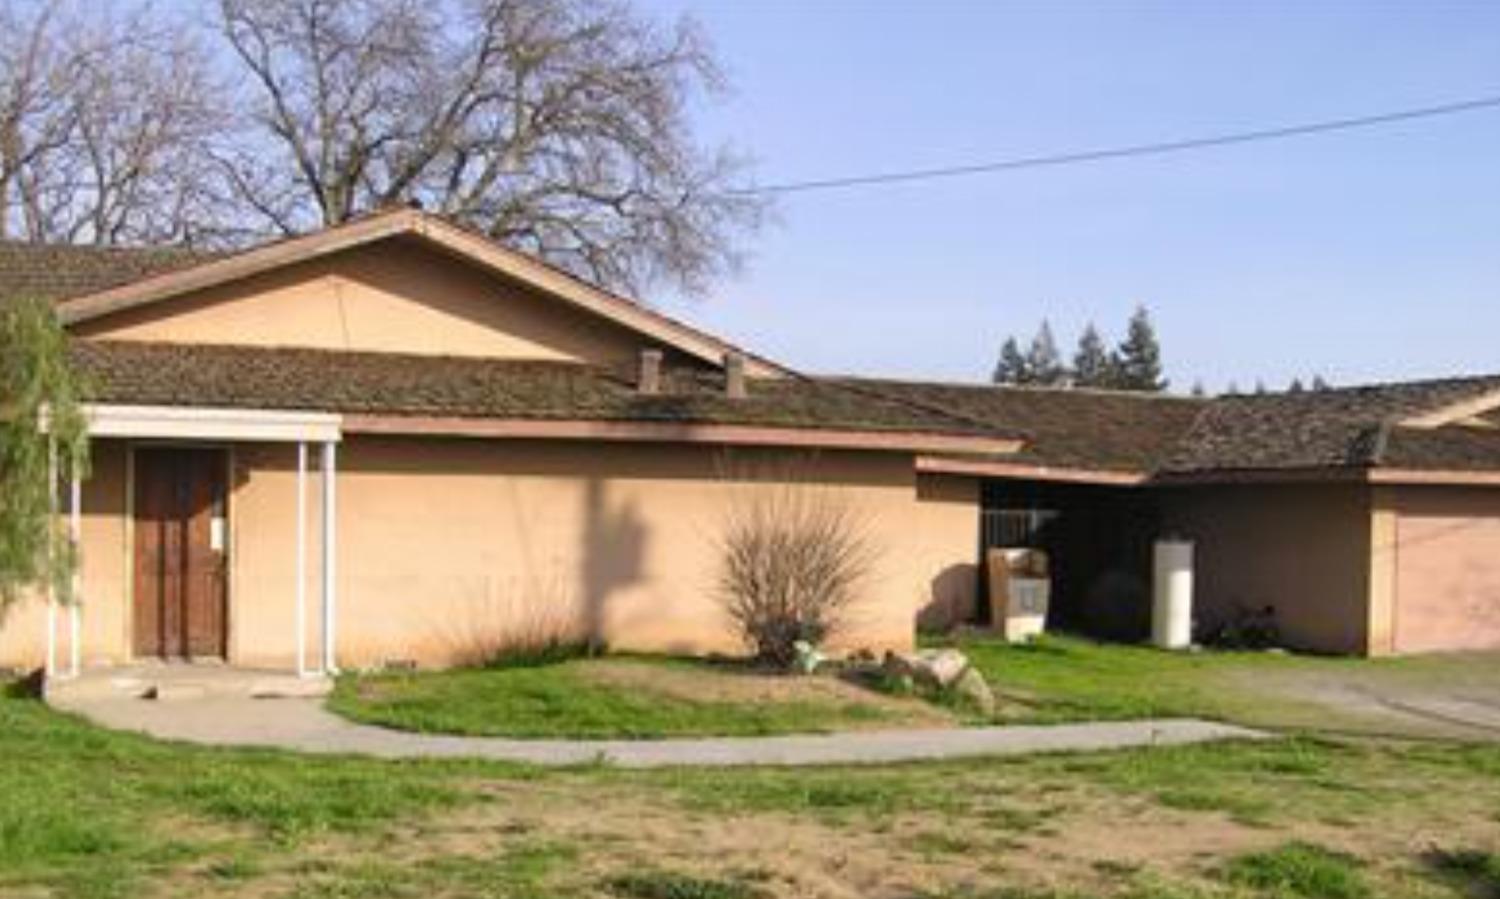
(734, 376)
(648, 380)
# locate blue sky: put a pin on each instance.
(1360, 256)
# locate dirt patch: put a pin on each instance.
(1011, 829)
(737, 685)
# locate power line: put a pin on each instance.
(1153, 149)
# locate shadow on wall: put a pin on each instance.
(610, 558)
(952, 599)
(529, 611)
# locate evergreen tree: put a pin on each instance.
(1011, 368)
(1091, 362)
(1319, 384)
(1295, 386)
(1043, 362)
(1138, 358)
(1198, 390)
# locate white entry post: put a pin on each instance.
(75, 598)
(50, 587)
(301, 588)
(330, 540)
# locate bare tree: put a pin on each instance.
(556, 126)
(105, 122)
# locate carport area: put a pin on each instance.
(1097, 540)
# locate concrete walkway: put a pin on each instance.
(304, 725)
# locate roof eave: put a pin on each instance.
(1020, 470)
(726, 434)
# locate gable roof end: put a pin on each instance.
(445, 236)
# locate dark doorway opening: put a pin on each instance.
(1098, 544)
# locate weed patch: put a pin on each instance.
(1300, 870)
(668, 885)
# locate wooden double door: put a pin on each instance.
(181, 538)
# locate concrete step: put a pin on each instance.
(169, 684)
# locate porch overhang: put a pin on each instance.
(212, 423)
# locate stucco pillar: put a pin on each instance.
(301, 566)
(1380, 603)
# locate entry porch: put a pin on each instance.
(170, 521)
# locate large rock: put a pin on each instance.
(975, 692)
(935, 669)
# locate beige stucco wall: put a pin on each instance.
(1303, 549)
(103, 577)
(395, 296)
(1447, 568)
(944, 539)
(447, 548)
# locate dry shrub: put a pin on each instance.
(794, 558)
(520, 621)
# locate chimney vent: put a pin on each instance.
(649, 379)
(734, 376)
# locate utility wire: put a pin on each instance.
(1153, 149)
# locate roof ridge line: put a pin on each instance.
(1031, 388)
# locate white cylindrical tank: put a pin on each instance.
(1172, 594)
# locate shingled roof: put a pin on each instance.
(60, 271)
(1338, 428)
(1104, 430)
(1152, 435)
(1450, 448)
(147, 373)
(1132, 434)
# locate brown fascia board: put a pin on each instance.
(1031, 472)
(1328, 475)
(677, 432)
(450, 238)
(1443, 477)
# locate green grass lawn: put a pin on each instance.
(565, 699)
(86, 813)
(1053, 680)
(1060, 678)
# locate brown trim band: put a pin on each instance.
(675, 432)
(1332, 475)
(1418, 477)
(994, 469)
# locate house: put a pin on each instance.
(394, 441)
